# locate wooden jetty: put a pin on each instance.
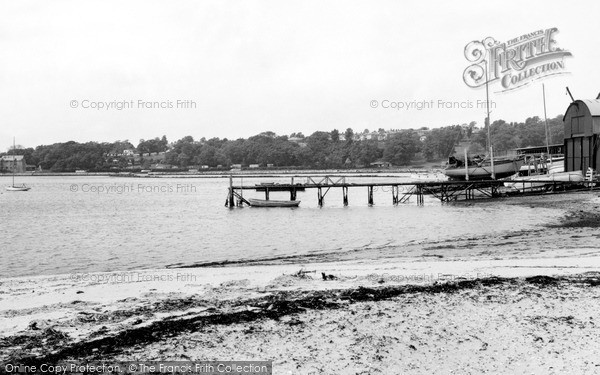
(445, 191)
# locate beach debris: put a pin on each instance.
(327, 277)
(303, 274)
(79, 292)
(542, 280)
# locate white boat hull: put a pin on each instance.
(429, 177)
(17, 188)
(272, 203)
(537, 182)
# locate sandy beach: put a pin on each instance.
(519, 302)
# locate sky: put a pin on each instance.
(239, 68)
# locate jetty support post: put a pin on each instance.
(267, 193)
(320, 196)
(395, 190)
(419, 195)
(370, 194)
(345, 193)
(230, 198)
(293, 191)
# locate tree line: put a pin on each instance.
(320, 150)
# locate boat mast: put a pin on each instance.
(546, 118)
(489, 124)
(14, 163)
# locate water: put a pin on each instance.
(68, 224)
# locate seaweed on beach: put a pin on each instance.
(579, 219)
(542, 280)
(274, 306)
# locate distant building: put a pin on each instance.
(254, 166)
(381, 164)
(10, 163)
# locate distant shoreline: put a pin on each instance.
(243, 173)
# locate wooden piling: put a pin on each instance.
(292, 191)
(230, 198)
(345, 193)
(293, 194)
(320, 196)
(370, 195)
(420, 200)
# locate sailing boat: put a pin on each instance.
(14, 187)
(483, 168)
(554, 170)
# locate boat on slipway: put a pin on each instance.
(539, 182)
(272, 203)
(481, 169)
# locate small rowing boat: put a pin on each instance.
(272, 203)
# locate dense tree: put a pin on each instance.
(440, 142)
(401, 148)
(152, 145)
(335, 135)
(349, 134)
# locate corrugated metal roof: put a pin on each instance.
(593, 105)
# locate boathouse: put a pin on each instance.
(582, 135)
(12, 163)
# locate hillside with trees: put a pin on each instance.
(320, 150)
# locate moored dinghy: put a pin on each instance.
(18, 188)
(272, 203)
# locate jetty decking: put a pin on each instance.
(401, 192)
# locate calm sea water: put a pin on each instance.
(84, 224)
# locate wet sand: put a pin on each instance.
(520, 302)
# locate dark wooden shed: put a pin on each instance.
(582, 135)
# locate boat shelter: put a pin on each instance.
(12, 163)
(582, 135)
